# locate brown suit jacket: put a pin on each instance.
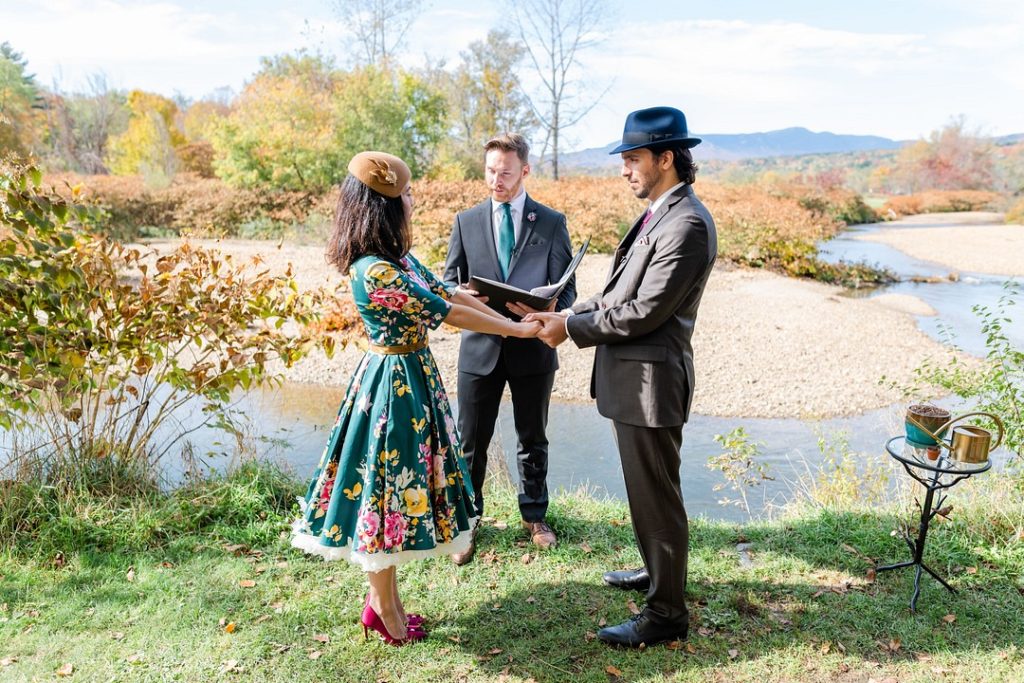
(643, 319)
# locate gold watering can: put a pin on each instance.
(969, 443)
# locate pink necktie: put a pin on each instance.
(647, 217)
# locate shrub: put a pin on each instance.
(1016, 213)
(938, 201)
(101, 344)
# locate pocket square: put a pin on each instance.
(643, 241)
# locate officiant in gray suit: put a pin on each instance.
(509, 238)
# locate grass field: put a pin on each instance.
(201, 585)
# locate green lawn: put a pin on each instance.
(168, 603)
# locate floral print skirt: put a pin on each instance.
(392, 484)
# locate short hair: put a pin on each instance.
(367, 222)
(510, 142)
(682, 159)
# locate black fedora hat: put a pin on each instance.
(655, 126)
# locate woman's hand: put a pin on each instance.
(527, 330)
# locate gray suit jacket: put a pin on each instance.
(642, 321)
(541, 255)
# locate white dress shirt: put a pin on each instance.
(498, 213)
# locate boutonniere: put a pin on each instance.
(531, 216)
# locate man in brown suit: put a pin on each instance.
(641, 324)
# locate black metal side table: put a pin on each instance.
(934, 475)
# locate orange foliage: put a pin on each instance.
(939, 201)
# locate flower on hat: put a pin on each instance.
(383, 173)
(531, 216)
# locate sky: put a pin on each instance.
(896, 68)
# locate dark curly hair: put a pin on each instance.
(682, 159)
(367, 222)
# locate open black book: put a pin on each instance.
(500, 293)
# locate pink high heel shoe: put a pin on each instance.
(371, 620)
(413, 620)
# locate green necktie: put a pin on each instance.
(506, 239)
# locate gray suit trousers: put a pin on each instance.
(650, 467)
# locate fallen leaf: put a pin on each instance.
(972, 570)
(230, 665)
(247, 583)
(895, 644)
(706, 632)
(825, 647)
(613, 671)
(949, 618)
(236, 549)
(277, 607)
(130, 576)
(589, 636)
(585, 547)
(500, 525)
(222, 622)
(322, 638)
(282, 565)
(167, 565)
(674, 645)
(497, 605)
(65, 670)
(818, 594)
(526, 559)
(135, 658)
(455, 639)
(602, 622)
(617, 522)
(229, 627)
(117, 635)
(733, 654)
(691, 649)
(531, 600)
(260, 619)
(495, 651)
(7, 661)
(315, 654)
(632, 607)
(871, 574)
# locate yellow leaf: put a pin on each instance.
(229, 627)
(613, 671)
(65, 670)
(247, 583)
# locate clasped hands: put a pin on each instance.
(552, 325)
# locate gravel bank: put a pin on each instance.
(765, 345)
(977, 242)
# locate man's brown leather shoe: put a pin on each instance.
(541, 534)
(466, 555)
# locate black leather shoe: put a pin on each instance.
(629, 579)
(641, 630)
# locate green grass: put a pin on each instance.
(142, 591)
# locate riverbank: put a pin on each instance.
(974, 241)
(765, 345)
(201, 585)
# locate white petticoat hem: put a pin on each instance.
(374, 562)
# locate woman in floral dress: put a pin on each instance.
(392, 485)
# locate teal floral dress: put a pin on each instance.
(392, 484)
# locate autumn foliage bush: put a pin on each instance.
(1016, 213)
(939, 201)
(775, 226)
(189, 205)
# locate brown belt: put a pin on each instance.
(397, 350)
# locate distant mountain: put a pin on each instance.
(1010, 139)
(785, 142)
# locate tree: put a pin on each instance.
(554, 33)
(379, 27)
(486, 98)
(148, 145)
(299, 121)
(18, 97)
(952, 158)
(80, 125)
